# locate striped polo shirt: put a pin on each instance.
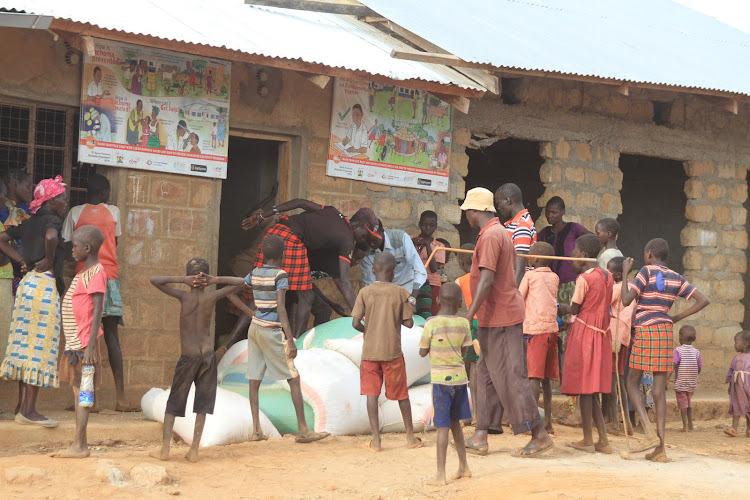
(445, 336)
(522, 232)
(265, 281)
(689, 360)
(658, 287)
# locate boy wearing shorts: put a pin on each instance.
(446, 338)
(270, 342)
(386, 307)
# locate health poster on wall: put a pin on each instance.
(388, 134)
(154, 109)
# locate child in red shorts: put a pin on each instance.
(539, 290)
(385, 307)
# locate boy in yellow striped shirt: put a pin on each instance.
(446, 338)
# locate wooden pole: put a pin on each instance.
(550, 257)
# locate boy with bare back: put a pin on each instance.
(197, 361)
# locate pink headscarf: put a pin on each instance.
(45, 191)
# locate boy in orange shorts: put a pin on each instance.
(386, 307)
(539, 290)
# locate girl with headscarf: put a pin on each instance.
(153, 137)
(34, 338)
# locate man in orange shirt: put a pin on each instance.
(499, 309)
(96, 212)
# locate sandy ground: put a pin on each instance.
(704, 463)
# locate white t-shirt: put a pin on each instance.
(175, 143)
(357, 136)
(95, 89)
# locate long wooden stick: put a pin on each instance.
(617, 375)
(461, 250)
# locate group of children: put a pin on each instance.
(599, 348)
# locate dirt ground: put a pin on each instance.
(703, 463)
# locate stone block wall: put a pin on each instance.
(714, 260)
(586, 176)
(166, 220)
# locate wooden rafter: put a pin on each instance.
(318, 6)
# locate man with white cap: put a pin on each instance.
(499, 309)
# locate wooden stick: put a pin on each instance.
(550, 257)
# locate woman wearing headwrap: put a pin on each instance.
(154, 129)
(321, 239)
(31, 357)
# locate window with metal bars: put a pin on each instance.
(43, 140)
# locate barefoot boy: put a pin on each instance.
(687, 366)
(445, 338)
(539, 291)
(471, 357)
(386, 307)
(425, 244)
(270, 341)
(82, 315)
(197, 361)
(656, 287)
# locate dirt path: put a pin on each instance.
(704, 463)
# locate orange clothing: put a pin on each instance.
(494, 251)
(539, 290)
(621, 333)
(465, 283)
(433, 278)
(107, 219)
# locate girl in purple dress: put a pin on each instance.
(739, 384)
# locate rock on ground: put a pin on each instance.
(23, 475)
(150, 475)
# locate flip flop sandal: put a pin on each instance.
(607, 450)
(476, 449)
(533, 450)
(369, 447)
(315, 436)
(645, 446)
(257, 436)
(659, 457)
(731, 433)
(582, 447)
(419, 444)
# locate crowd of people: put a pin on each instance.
(558, 304)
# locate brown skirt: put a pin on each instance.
(72, 373)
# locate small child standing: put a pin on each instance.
(445, 338)
(621, 320)
(739, 384)
(606, 230)
(386, 307)
(539, 290)
(82, 319)
(472, 353)
(588, 357)
(425, 244)
(197, 361)
(687, 366)
(270, 342)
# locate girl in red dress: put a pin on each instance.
(588, 355)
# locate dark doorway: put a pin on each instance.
(251, 173)
(653, 206)
(507, 160)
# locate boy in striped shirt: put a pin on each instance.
(656, 287)
(519, 224)
(445, 338)
(687, 366)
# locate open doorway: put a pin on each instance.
(252, 171)
(653, 206)
(507, 160)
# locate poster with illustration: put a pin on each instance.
(154, 109)
(388, 134)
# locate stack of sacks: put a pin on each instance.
(230, 423)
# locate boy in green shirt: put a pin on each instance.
(446, 338)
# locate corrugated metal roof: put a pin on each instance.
(643, 41)
(328, 39)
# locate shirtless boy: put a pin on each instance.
(197, 361)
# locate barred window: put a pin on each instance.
(43, 140)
